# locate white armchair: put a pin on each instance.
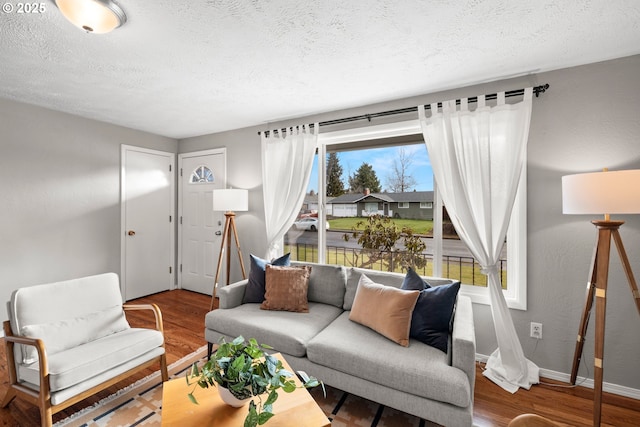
(67, 340)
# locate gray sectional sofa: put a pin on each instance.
(418, 379)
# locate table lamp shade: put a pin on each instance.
(231, 200)
(610, 192)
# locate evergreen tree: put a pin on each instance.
(365, 177)
(335, 186)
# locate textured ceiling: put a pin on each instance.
(186, 68)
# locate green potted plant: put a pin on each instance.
(242, 369)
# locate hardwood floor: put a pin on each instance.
(183, 315)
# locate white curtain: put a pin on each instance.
(477, 158)
(287, 159)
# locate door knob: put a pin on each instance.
(218, 233)
(131, 233)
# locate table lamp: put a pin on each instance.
(615, 192)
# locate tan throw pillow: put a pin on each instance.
(385, 309)
(286, 288)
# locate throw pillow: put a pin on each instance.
(254, 292)
(413, 282)
(68, 333)
(385, 309)
(286, 288)
(432, 315)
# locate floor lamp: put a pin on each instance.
(229, 201)
(601, 193)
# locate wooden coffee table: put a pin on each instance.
(290, 410)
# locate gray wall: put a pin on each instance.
(60, 192)
(587, 120)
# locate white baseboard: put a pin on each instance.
(580, 381)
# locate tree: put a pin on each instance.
(335, 186)
(383, 243)
(400, 179)
(365, 177)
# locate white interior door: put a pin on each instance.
(200, 229)
(148, 230)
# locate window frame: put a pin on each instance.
(403, 205)
(516, 294)
(427, 205)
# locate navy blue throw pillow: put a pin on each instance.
(413, 282)
(432, 314)
(254, 292)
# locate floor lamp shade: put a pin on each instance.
(231, 200)
(611, 192)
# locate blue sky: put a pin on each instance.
(382, 160)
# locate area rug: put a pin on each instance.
(140, 404)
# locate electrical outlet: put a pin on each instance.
(536, 330)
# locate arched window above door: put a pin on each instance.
(201, 175)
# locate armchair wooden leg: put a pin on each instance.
(46, 417)
(163, 368)
(8, 397)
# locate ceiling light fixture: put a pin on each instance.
(92, 16)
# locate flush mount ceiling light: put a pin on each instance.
(92, 16)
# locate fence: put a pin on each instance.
(465, 269)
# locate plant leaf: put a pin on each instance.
(264, 417)
(273, 396)
(289, 386)
(252, 416)
(192, 398)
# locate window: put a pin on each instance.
(514, 277)
(371, 208)
(403, 205)
(201, 174)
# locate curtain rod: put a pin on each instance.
(537, 90)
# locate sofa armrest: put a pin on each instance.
(231, 296)
(463, 339)
(153, 307)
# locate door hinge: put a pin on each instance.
(170, 269)
(180, 171)
(180, 220)
(169, 168)
(180, 268)
(170, 218)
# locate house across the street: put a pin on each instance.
(406, 205)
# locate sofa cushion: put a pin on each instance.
(85, 361)
(285, 331)
(254, 292)
(385, 309)
(286, 288)
(419, 369)
(327, 283)
(68, 333)
(431, 318)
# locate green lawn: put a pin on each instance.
(419, 226)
